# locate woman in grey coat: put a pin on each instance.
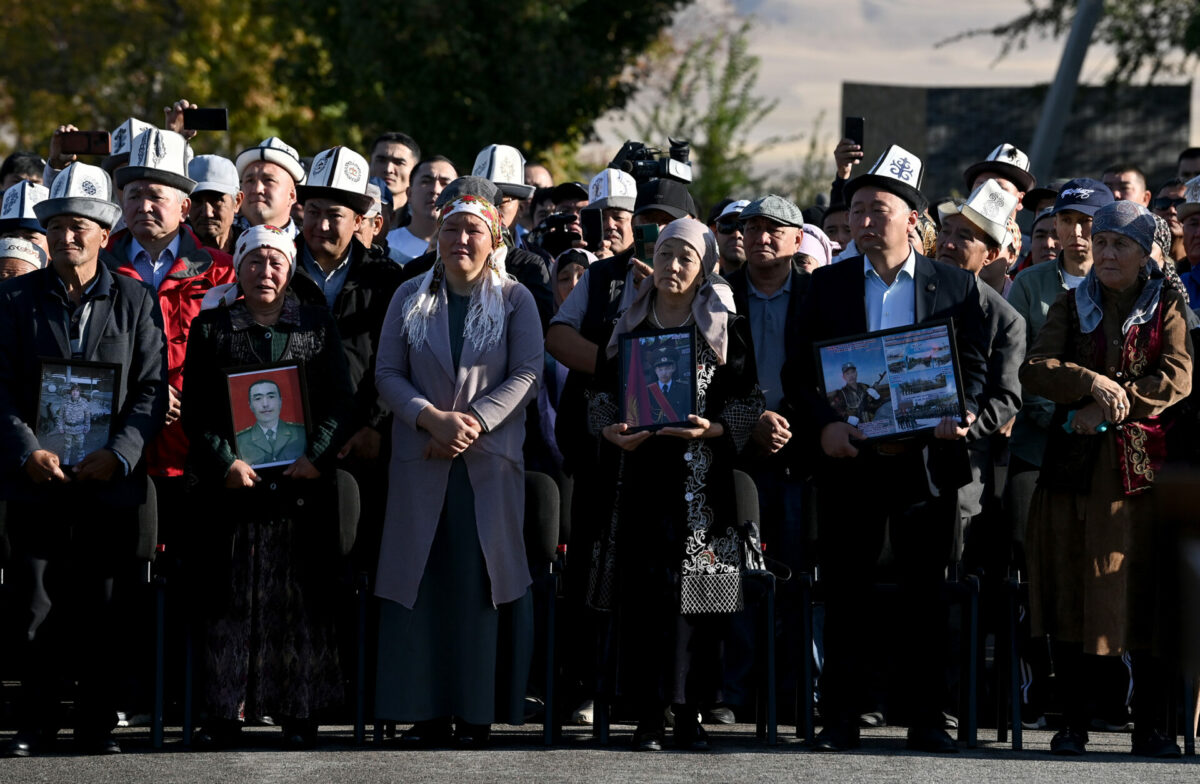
(459, 359)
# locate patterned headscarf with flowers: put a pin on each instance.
(485, 314)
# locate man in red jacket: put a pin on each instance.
(158, 249)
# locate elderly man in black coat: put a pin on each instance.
(73, 526)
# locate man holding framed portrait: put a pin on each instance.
(72, 521)
(913, 480)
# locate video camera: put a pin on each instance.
(647, 163)
(557, 232)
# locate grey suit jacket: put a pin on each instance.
(495, 386)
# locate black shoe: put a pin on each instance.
(691, 737)
(29, 743)
(839, 736)
(933, 740)
(720, 714)
(1153, 743)
(217, 735)
(648, 740)
(472, 736)
(429, 734)
(299, 735)
(98, 745)
(1069, 743)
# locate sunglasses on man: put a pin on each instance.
(1166, 203)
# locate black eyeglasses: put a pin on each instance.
(728, 227)
(1166, 203)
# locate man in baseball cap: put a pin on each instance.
(727, 228)
(661, 201)
(216, 199)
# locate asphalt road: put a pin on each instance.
(517, 756)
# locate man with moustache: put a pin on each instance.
(269, 175)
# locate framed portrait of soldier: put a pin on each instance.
(77, 406)
(658, 378)
(895, 382)
(269, 408)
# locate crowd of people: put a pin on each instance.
(233, 347)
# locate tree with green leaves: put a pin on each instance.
(706, 94)
(456, 75)
(1150, 37)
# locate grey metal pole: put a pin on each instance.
(1062, 92)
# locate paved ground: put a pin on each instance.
(516, 756)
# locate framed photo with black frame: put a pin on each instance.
(77, 407)
(658, 378)
(893, 383)
(268, 406)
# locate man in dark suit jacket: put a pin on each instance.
(867, 491)
(71, 529)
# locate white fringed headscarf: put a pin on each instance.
(485, 315)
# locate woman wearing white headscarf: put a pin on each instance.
(459, 358)
(672, 547)
(269, 647)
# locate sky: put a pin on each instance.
(809, 48)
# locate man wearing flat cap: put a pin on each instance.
(159, 249)
(334, 270)
(769, 290)
(914, 481)
(72, 528)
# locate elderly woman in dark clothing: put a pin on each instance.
(671, 552)
(459, 360)
(269, 643)
(1114, 354)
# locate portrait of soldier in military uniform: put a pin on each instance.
(271, 440)
(74, 411)
(74, 421)
(670, 398)
(856, 402)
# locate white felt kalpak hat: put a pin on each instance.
(897, 171)
(81, 190)
(1005, 161)
(989, 207)
(122, 141)
(505, 167)
(613, 188)
(24, 250)
(338, 174)
(158, 156)
(17, 211)
(276, 151)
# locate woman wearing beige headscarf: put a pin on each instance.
(672, 546)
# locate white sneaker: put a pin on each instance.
(585, 713)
